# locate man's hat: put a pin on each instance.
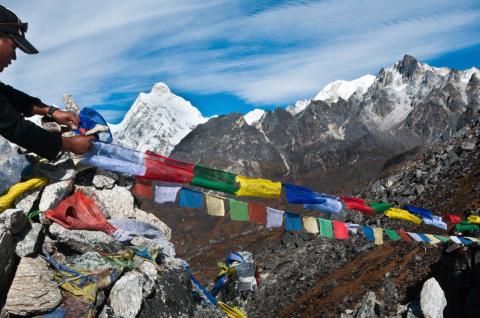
(11, 25)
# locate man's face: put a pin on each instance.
(7, 52)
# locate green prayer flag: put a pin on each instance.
(465, 226)
(442, 238)
(238, 210)
(380, 207)
(214, 179)
(326, 228)
(392, 234)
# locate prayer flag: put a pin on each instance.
(415, 236)
(465, 226)
(368, 231)
(310, 224)
(436, 221)
(353, 227)
(191, 199)
(474, 219)
(331, 205)
(340, 230)
(380, 207)
(298, 194)
(433, 239)
(143, 188)
(378, 234)
(473, 239)
(164, 194)
(325, 227)
(424, 213)
(257, 213)
(442, 238)
(401, 214)
(404, 236)
(465, 241)
(455, 239)
(215, 205)
(424, 237)
(358, 205)
(392, 235)
(274, 218)
(238, 210)
(293, 222)
(214, 179)
(451, 218)
(166, 169)
(254, 187)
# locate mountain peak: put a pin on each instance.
(160, 88)
(333, 91)
(408, 65)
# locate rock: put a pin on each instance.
(419, 189)
(104, 179)
(85, 241)
(390, 298)
(15, 220)
(33, 289)
(451, 158)
(31, 243)
(114, 203)
(90, 261)
(152, 219)
(8, 260)
(367, 306)
(151, 276)
(126, 295)
(26, 200)
(54, 193)
(432, 299)
(467, 146)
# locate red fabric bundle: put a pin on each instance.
(451, 218)
(166, 169)
(340, 230)
(358, 205)
(257, 213)
(79, 212)
(404, 235)
(143, 188)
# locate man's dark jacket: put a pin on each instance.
(14, 127)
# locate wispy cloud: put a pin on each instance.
(270, 53)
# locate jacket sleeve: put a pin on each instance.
(25, 133)
(19, 100)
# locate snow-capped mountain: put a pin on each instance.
(157, 121)
(254, 116)
(344, 89)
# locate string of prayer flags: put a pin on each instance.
(310, 224)
(166, 193)
(436, 221)
(474, 219)
(293, 222)
(404, 236)
(330, 205)
(191, 199)
(424, 237)
(215, 205)
(257, 213)
(401, 214)
(353, 228)
(340, 230)
(424, 213)
(392, 235)
(415, 236)
(301, 195)
(142, 188)
(368, 231)
(274, 218)
(451, 218)
(378, 234)
(326, 229)
(380, 207)
(465, 226)
(238, 210)
(254, 187)
(214, 179)
(357, 204)
(165, 169)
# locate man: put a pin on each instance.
(14, 104)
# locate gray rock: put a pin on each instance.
(85, 241)
(467, 146)
(33, 289)
(126, 295)
(15, 220)
(432, 299)
(153, 220)
(8, 260)
(150, 277)
(27, 199)
(54, 193)
(114, 203)
(367, 306)
(104, 179)
(31, 243)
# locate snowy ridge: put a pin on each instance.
(333, 91)
(254, 116)
(157, 121)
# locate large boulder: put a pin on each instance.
(432, 299)
(15, 220)
(114, 203)
(54, 193)
(30, 243)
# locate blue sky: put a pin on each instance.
(226, 55)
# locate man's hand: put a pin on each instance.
(79, 145)
(66, 118)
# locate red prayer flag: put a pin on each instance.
(143, 188)
(358, 205)
(340, 230)
(166, 169)
(257, 213)
(404, 235)
(451, 218)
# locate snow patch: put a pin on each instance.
(299, 106)
(254, 116)
(333, 91)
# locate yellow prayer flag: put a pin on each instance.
(215, 205)
(253, 187)
(473, 239)
(474, 219)
(401, 214)
(310, 224)
(378, 234)
(433, 239)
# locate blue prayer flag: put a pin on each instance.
(293, 222)
(464, 240)
(424, 237)
(424, 213)
(191, 199)
(331, 205)
(368, 231)
(297, 194)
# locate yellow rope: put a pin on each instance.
(16, 190)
